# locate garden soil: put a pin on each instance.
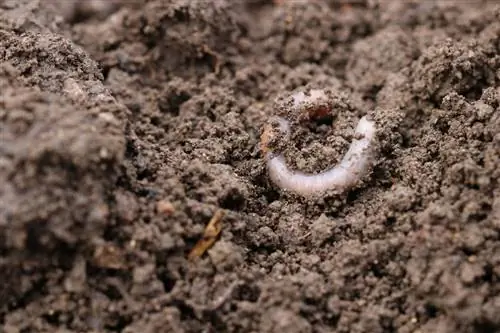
(127, 125)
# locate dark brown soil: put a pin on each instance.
(125, 125)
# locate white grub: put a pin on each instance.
(345, 175)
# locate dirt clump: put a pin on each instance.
(126, 126)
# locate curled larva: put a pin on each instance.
(346, 174)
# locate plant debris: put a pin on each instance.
(212, 231)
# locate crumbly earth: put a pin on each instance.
(125, 125)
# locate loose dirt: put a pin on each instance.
(126, 125)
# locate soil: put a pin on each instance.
(126, 125)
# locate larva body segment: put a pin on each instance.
(343, 176)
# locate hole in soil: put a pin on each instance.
(217, 322)
(353, 195)
(147, 192)
(105, 72)
(271, 195)
(36, 291)
(118, 324)
(112, 293)
(233, 200)
(314, 125)
(475, 93)
(250, 293)
(390, 221)
(377, 270)
(488, 273)
(171, 104)
(168, 282)
(431, 310)
(130, 150)
(54, 317)
(187, 311)
(486, 326)
(155, 120)
(145, 174)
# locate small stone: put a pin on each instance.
(265, 236)
(10, 329)
(103, 153)
(483, 110)
(225, 254)
(283, 320)
(143, 273)
(400, 198)
(74, 90)
(108, 117)
(165, 207)
(470, 272)
(109, 256)
(77, 277)
(126, 206)
(99, 214)
(472, 238)
(321, 229)
(166, 242)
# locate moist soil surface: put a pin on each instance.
(127, 125)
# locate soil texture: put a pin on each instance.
(126, 125)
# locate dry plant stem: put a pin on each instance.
(212, 231)
(343, 176)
